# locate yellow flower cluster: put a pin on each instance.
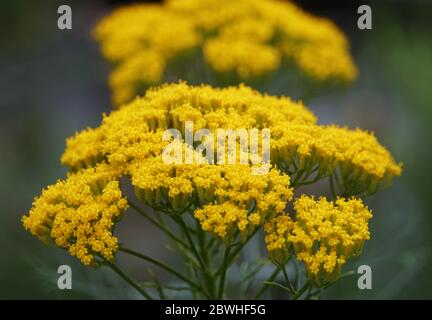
(246, 38)
(364, 165)
(277, 230)
(235, 55)
(135, 132)
(79, 213)
(226, 199)
(324, 234)
(296, 139)
(244, 201)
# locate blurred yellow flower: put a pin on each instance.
(245, 38)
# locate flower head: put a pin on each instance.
(244, 38)
(79, 213)
(324, 234)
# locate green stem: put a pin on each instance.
(302, 290)
(312, 294)
(224, 268)
(238, 249)
(202, 243)
(162, 265)
(185, 228)
(210, 243)
(272, 283)
(248, 276)
(299, 174)
(332, 188)
(287, 280)
(159, 225)
(157, 284)
(266, 284)
(296, 272)
(128, 279)
(316, 179)
(204, 268)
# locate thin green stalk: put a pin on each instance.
(332, 187)
(266, 285)
(157, 284)
(296, 271)
(302, 290)
(186, 230)
(336, 175)
(238, 249)
(128, 279)
(276, 284)
(248, 276)
(204, 268)
(299, 174)
(203, 265)
(189, 239)
(311, 294)
(316, 179)
(210, 243)
(160, 226)
(162, 265)
(159, 290)
(287, 280)
(224, 268)
(202, 243)
(308, 292)
(328, 285)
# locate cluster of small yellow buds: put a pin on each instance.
(246, 39)
(323, 234)
(277, 230)
(79, 213)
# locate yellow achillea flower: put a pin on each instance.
(296, 140)
(145, 65)
(244, 38)
(229, 198)
(226, 199)
(363, 163)
(85, 149)
(324, 234)
(79, 213)
(226, 55)
(277, 230)
(135, 131)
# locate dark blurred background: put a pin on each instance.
(54, 83)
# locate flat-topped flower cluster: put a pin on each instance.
(79, 213)
(244, 39)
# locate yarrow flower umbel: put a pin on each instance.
(323, 235)
(246, 39)
(227, 201)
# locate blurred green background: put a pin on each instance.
(54, 83)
